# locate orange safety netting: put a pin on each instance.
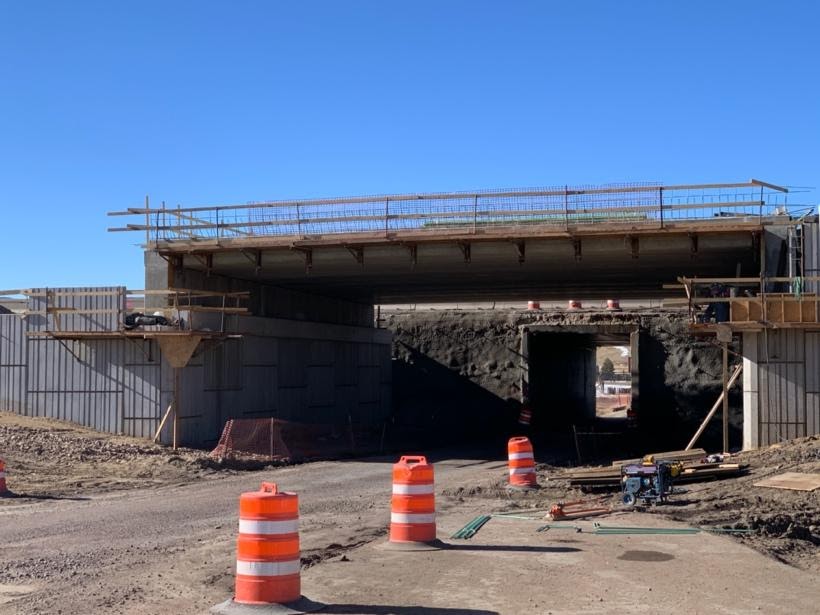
(279, 440)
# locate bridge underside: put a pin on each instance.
(624, 265)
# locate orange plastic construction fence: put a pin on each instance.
(267, 551)
(3, 489)
(413, 506)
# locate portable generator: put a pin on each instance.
(649, 480)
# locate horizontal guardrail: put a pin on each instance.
(634, 204)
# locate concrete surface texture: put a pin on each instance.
(170, 549)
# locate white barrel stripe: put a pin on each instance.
(522, 471)
(255, 526)
(413, 489)
(2, 475)
(520, 456)
(412, 518)
(267, 569)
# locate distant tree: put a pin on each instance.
(607, 369)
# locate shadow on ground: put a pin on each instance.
(30, 496)
(517, 548)
(384, 609)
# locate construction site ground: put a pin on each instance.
(105, 524)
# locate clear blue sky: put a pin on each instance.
(203, 102)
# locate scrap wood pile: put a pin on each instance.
(696, 467)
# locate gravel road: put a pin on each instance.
(170, 549)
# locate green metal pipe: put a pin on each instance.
(464, 531)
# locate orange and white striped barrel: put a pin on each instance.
(267, 551)
(533, 305)
(521, 462)
(3, 489)
(613, 305)
(413, 506)
(574, 304)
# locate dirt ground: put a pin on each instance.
(48, 458)
(116, 525)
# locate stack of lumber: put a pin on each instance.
(694, 454)
(693, 470)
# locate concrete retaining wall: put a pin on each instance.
(292, 369)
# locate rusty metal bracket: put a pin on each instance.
(307, 254)
(576, 246)
(414, 254)
(464, 246)
(756, 245)
(357, 252)
(634, 245)
(255, 257)
(206, 260)
(521, 248)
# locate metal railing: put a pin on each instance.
(643, 204)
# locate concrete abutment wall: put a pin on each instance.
(468, 369)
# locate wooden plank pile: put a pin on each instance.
(693, 470)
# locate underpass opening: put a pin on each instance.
(613, 390)
(562, 381)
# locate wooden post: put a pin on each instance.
(162, 422)
(725, 397)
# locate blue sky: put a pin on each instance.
(203, 102)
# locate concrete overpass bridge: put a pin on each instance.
(306, 348)
(614, 241)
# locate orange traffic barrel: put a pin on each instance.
(3, 489)
(267, 551)
(521, 462)
(525, 416)
(573, 304)
(613, 305)
(533, 305)
(413, 506)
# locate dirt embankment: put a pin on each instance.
(46, 458)
(444, 357)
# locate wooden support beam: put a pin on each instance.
(693, 245)
(163, 421)
(715, 407)
(576, 246)
(726, 397)
(634, 245)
